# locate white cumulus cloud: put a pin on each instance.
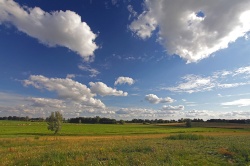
(57, 28)
(102, 89)
(66, 89)
(152, 98)
(124, 80)
(193, 29)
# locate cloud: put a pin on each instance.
(147, 113)
(239, 103)
(94, 72)
(232, 85)
(124, 80)
(193, 30)
(103, 90)
(57, 28)
(243, 70)
(217, 80)
(66, 89)
(144, 25)
(193, 83)
(172, 108)
(70, 76)
(155, 99)
(135, 111)
(199, 113)
(132, 12)
(45, 102)
(18, 105)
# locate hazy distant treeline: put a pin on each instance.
(26, 118)
(94, 120)
(243, 121)
(100, 120)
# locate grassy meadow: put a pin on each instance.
(30, 143)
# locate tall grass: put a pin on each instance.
(232, 150)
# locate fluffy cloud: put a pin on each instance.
(193, 30)
(124, 80)
(239, 103)
(155, 99)
(65, 27)
(103, 90)
(18, 105)
(66, 89)
(144, 25)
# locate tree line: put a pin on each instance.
(103, 120)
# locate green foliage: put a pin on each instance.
(188, 123)
(122, 122)
(55, 121)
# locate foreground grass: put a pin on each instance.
(32, 144)
(112, 150)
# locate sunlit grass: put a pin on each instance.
(24, 129)
(133, 145)
(125, 151)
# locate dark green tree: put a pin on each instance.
(188, 123)
(55, 121)
(122, 122)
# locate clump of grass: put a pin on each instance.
(187, 137)
(143, 149)
(226, 152)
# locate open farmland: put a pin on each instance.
(30, 143)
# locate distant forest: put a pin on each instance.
(100, 120)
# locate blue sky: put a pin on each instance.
(125, 59)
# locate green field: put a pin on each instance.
(30, 143)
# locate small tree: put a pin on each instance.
(55, 121)
(188, 123)
(122, 122)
